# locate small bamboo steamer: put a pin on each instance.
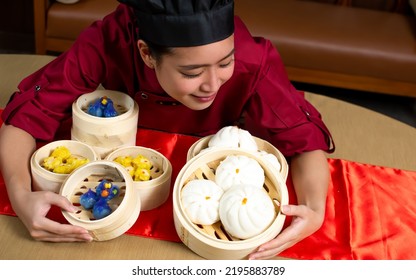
(105, 134)
(262, 145)
(154, 192)
(45, 180)
(213, 242)
(127, 204)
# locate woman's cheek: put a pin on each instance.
(188, 86)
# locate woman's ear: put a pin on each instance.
(145, 54)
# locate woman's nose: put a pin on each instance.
(212, 81)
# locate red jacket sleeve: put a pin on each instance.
(44, 99)
(277, 112)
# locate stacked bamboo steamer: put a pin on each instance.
(135, 196)
(105, 134)
(101, 140)
(213, 242)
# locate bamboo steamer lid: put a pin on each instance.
(45, 180)
(262, 145)
(213, 242)
(105, 134)
(154, 192)
(126, 207)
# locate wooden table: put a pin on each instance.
(360, 134)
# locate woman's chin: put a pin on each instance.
(199, 106)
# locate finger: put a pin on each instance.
(76, 238)
(51, 237)
(293, 210)
(44, 235)
(283, 240)
(268, 254)
(270, 249)
(61, 201)
(50, 228)
(63, 229)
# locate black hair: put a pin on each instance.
(158, 51)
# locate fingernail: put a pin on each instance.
(285, 208)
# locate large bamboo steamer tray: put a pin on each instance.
(127, 204)
(105, 134)
(213, 242)
(45, 180)
(154, 192)
(262, 145)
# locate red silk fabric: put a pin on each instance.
(371, 210)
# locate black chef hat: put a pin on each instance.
(183, 23)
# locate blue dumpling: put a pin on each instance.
(100, 187)
(109, 110)
(88, 199)
(101, 209)
(113, 192)
(96, 108)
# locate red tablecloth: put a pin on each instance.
(371, 210)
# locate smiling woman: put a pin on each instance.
(193, 75)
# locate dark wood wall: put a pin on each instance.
(16, 26)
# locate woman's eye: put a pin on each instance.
(224, 65)
(191, 76)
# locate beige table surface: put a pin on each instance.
(360, 134)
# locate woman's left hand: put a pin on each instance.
(305, 221)
(310, 176)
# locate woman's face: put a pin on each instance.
(193, 75)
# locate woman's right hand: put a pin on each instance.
(32, 208)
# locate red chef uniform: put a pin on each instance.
(106, 53)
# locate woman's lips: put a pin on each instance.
(206, 98)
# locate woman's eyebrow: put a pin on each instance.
(195, 66)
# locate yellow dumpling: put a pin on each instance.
(141, 162)
(130, 170)
(62, 161)
(142, 174)
(63, 169)
(61, 152)
(138, 167)
(126, 161)
(50, 163)
(76, 162)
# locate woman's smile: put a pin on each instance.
(205, 98)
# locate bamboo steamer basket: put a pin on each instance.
(45, 180)
(154, 192)
(213, 242)
(262, 145)
(105, 134)
(126, 205)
